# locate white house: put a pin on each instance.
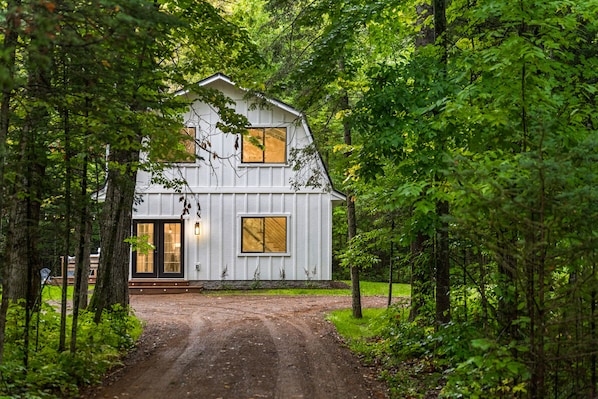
(257, 221)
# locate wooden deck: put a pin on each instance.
(71, 280)
(154, 287)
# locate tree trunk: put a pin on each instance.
(440, 23)
(68, 199)
(390, 269)
(11, 38)
(422, 283)
(23, 261)
(351, 218)
(29, 167)
(506, 311)
(85, 229)
(113, 271)
(443, 266)
(543, 288)
(426, 33)
(421, 276)
(355, 284)
(443, 301)
(9, 48)
(593, 360)
(81, 257)
(22, 227)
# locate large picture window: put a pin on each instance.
(264, 234)
(265, 145)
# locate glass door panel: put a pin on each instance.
(172, 248)
(145, 259)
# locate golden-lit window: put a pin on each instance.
(185, 148)
(265, 145)
(172, 247)
(145, 259)
(264, 234)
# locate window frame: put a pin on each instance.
(191, 153)
(159, 271)
(264, 129)
(286, 216)
(193, 142)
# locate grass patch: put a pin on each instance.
(368, 288)
(54, 293)
(403, 353)
(363, 335)
(358, 329)
(288, 291)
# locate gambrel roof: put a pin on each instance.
(221, 78)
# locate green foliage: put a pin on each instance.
(502, 126)
(402, 351)
(140, 244)
(53, 374)
(406, 340)
(492, 370)
(417, 359)
(359, 252)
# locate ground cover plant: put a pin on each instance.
(33, 367)
(401, 351)
(420, 360)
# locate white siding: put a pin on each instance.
(226, 189)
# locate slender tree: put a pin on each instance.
(8, 84)
(351, 221)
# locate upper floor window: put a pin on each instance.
(271, 145)
(185, 148)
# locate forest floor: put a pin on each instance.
(240, 347)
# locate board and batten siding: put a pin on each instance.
(228, 190)
(218, 247)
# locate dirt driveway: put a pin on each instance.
(241, 347)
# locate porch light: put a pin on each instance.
(197, 229)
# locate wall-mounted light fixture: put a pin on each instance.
(197, 229)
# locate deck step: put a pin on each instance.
(164, 290)
(70, 281)
(158, 283)
(141, 287)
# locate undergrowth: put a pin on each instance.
(418, 360)
(48, 373)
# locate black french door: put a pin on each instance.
(163, 257)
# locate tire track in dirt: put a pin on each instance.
(292, 380)
(312, 343)
(239, 347)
